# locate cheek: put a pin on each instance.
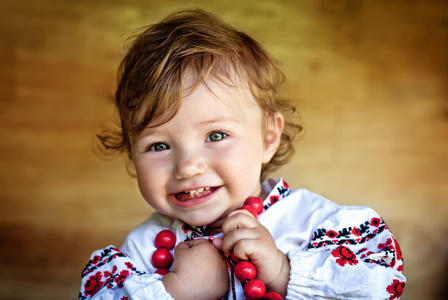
(241, 154)
(240, 163)
(150, 178)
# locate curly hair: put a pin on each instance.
(152, 76)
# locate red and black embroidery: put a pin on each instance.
(375, 222)
(391, 254)
(273, 199)
(281, 191)
(395, 289)
(399, 255)
(387, 254)
(349, 235)
(92, 285)
(106, 256)
(194, 232)
(98, 279)
(331, 234)
(344, 256)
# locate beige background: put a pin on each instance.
(370, 78)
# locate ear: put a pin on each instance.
(273, 135)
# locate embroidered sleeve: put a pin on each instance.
(110, 274)
(351, 255)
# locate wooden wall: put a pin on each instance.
(370, 78)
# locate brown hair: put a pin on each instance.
(151, 77)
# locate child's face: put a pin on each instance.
(214, 146)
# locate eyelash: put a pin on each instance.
(222, 134)
(153, 147)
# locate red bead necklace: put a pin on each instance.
(162, 258)
(245, 271)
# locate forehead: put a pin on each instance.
(214, 101)
(233, 92)
(212, 106)
(212, 97)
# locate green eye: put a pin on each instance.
(158, 147)
(216, 136)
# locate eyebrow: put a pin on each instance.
(219, 120)
(151, 130)
(146, 132)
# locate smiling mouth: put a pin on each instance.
(193, 194)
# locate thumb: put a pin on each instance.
(182, 246)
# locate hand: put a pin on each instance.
(248, 239)
(199, 272)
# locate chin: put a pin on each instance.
(201, 222)
(198, 223)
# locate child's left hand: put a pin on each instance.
(248, 239)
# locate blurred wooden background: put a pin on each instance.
(370, 78)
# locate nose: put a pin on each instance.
(189, 163)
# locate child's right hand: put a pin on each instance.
(199, 272)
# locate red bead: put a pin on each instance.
(234, 258)
(254, 289)
(250, 209)
(166, 239)
(162, 271)
(162, 258)
(245, 270)
(272, 296)
(256, 203)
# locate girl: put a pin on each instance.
(203, 126)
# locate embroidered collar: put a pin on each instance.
(277, 190)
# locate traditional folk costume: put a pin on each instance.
(342, 252)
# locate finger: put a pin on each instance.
(238, 220)
(241, 211)
(241, 235)
(200, 242)
(182, 246)
(242, 250)
(256, 250)
(217, 242)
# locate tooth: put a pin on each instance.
(193, 192)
